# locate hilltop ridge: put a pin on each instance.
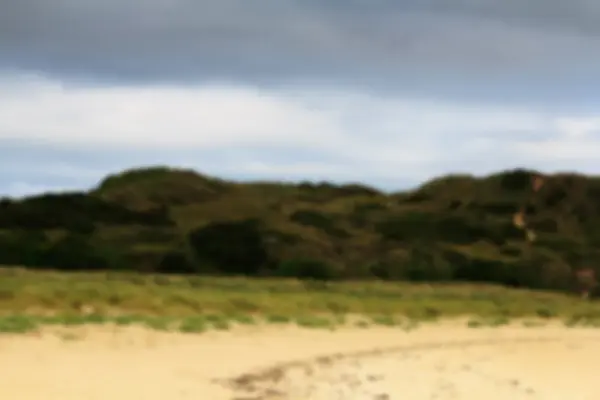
(516, 227)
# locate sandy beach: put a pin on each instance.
(440, 361)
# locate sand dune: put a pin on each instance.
(443, 361)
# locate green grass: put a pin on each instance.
(30, 299)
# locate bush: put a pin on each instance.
(231, 247)
(478, 269)
(418, 227)
(281, 238)
(497, 207)
(544, 270)
(459, 230)
(368, 207)
(312, 218)
(325, 191)
(407, 227)
(77, 212)
(27, 248)
(318, 220)
(176, 262)
(511, 250)
(426, 264)
(544, 225)
(553, 196)
(75, 252)
(306, 269)
(517, 180)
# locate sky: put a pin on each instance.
(390, 93)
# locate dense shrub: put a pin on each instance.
(328, 191)
(132, 176)
(457, 229)
(496, 207)
(231, 247)
(75, 252)
(427, 264)
(553, 196)
(312, 218)
(418, 197)
(452, 228)
(273, 236)
(176, 262)
(318, 220)
(76, 212)
(26, 248)
(355, 189)
(307, 269)
(368, 207)
(517, 180)
(478, 269)
(543, 225)
(407, 227)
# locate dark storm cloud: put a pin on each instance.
(427, 42)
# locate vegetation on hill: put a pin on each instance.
(516, 228)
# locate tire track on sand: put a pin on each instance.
(262, 384)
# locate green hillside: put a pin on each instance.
(517, 228)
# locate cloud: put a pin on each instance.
(155, 116)
(66, 136)
(579, 16)
(539, 49)
(576, 145)
(579, 127)
(22, 189)
(386, 92)
(213, 116)
(572, 154)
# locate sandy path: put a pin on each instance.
(444, 361)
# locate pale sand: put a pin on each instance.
(445, 361)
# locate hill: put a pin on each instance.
(516, 228)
